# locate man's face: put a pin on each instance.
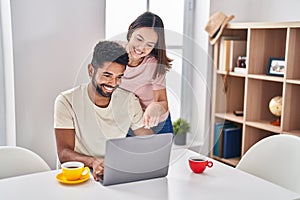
(106, 79)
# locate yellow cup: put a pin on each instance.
(74, 170)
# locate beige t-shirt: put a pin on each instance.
(94, 125)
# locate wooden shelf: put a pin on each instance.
(230, 117)
(230, 161)
(264, 125)
(231, 73)
(265, 77)
(293, 81)
(293, 132)
(251, 92)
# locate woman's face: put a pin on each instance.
(141, 43)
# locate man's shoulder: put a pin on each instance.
(123, 95)
(121, 92)
(69, 93)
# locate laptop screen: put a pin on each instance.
(136, 158)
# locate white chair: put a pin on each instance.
(15, 161)
(275, 159)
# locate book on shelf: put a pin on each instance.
(230, 49)
(237, 49)
(224, 52)
(226, 55)
(232, 141)
(218, 137)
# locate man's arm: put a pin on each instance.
(143, 131)
(65, 142)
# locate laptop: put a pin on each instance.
(136, 158)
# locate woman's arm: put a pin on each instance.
(160, 96)
(156, 110)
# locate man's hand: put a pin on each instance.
(98, 168)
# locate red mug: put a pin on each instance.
(198, 164)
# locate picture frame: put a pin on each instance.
(276, 67)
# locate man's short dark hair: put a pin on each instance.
(109, 51)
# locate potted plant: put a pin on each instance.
(181, 127)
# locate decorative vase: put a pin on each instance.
(180, 139)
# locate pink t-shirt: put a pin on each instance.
(139, 80)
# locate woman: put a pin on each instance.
(145, 74)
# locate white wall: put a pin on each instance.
(2, 102)
(8, 137)
(259, 10)
(52, 41)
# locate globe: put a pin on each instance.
(275, 105)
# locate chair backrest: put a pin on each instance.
(276, 159)
(15, 161)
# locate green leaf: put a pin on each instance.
(181, 126)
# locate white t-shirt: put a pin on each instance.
(95, 125)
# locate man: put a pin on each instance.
(86, 116)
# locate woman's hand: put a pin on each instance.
(153, 114)
(98, 168)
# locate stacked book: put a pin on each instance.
(227, 139)
(231, 48)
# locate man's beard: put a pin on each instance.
(100, 90)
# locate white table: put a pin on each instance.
(218, 182)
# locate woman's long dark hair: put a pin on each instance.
(151, 20)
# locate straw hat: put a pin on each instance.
(216, 24)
